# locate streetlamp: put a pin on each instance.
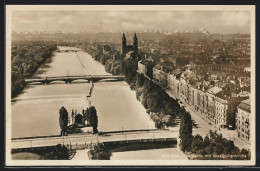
(122, 130)
(97, 137)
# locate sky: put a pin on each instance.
(106, 21)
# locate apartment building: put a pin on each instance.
(243, 120)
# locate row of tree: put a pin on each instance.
(26, 57)
(164, 109)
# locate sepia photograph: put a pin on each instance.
(100, 85)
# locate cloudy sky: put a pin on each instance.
(105, 21)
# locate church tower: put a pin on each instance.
(135, 44)
(123, 50)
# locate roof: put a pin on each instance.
(245, 104)
(193, 82)
(188, 74)
(215, 90)
(247, 101)
(165, 66)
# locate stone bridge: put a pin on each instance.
(140, 136)
(69, 79)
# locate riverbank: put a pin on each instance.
(27, 57)
(162, 109)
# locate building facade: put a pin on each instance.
(243, 120)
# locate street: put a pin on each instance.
(90, 138)
(203, 127)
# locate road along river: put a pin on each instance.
(36, 110)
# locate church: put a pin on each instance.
(129, 51)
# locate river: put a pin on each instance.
(36, 110)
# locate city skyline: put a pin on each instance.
(131, 21)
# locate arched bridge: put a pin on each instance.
(69, 79)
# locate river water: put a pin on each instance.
(36, 110)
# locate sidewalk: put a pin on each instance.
(81, 155)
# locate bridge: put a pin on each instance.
(118, 137)
(69, 79)
(69, 50)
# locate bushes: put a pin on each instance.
(215, 147)
(59, 152)
(99, 152)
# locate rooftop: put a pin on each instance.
(215, 90)
(245, 104)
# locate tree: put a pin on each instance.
(59, 152)
(197, 143)
(99, 152)
(166, 120)
(63, 120)
(153, 102)
(185, 130)
(93, 118)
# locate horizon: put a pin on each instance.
(215, 22)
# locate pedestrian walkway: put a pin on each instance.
(81, 155)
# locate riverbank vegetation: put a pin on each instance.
(99, 152)
(26, 57)
(59, 152)
(162, 108)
